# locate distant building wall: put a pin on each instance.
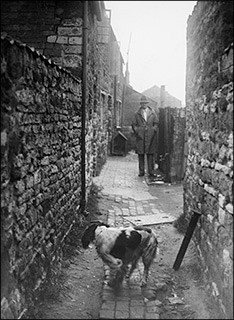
(208, 182)
(99, 87)
(164, 99)
(116, 72)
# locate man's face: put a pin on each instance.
(144, 105)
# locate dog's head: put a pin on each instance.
(89, 233)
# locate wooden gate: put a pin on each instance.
(170, 153)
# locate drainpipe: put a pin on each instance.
(83, 106)
(123, 102)
(115, 101)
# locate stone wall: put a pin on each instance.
(54, 28)
(208, 178)
(41, 137)
(40, 162)
(98, 92)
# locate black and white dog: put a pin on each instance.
(120, 247)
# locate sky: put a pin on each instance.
(152, 37)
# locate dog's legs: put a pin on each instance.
(112, 262)
(147, 259)
(133, 267)
(117, 276)
(145, 275)
(112, 276)
(121, 274)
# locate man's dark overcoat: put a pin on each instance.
(145, 131)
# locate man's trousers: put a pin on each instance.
(150, 163)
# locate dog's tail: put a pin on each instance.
(89, 234)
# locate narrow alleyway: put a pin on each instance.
(127, 199)
(169, 294)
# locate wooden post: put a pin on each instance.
(186, 240)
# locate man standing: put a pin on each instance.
(145, 126)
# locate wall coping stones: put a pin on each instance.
(229, 208)
(6, 37)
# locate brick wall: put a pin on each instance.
(54, 28)
(208, 178)
(41, 138)
(40, 162)
(98, 90)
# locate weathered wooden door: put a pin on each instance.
(171, 143)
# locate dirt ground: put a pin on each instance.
(75, 293)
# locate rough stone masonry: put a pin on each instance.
(208, 178)
(40, 163)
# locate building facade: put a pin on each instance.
(56, 114)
